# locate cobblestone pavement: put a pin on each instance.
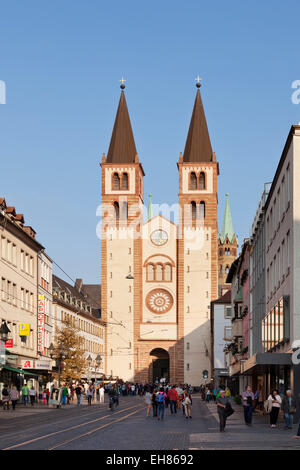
(127, 428)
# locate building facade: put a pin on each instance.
(19, 251)
(158, 278)
(74, 304)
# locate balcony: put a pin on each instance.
(237, 327)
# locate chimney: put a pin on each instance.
(78, 284)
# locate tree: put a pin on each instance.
(70, 343)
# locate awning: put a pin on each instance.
(259, 361)
(19, 371)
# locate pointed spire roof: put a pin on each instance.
(122, 146)
(198, 147)
(150, 209)
(227, 226)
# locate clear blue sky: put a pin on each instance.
(61, 62)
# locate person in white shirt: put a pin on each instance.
(276, 401)
(101, 394)
(32, 394)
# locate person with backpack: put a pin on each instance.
(248, 398)
(5, 397)
(154, 403)
(161, 400)
(187, 403)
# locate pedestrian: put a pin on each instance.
(14, 396)
(44, 396)
(276, 401)
(187, 403)
(64, 394)
(78, 392)
(207, 395)
(222, 402)
(289, 407)
(47, 395)
(173, 398)
(148, 401)
(5, 397)
(154, 403)
(161, 401)
(248, 398)
(90, 395)
(214, 394)
(101, 393)
(32, 395)
(25, 394)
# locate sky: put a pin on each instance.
(61, 62)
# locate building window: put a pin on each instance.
(159, 272)
(202, 180)
(168, 273)
(125, 181)
(227, 312)
(188, 366)
(202, 210)
(124, 210)
(193, 181)
(116, 182)
(188, 346)
(116, 211)
(227, 333)
(193, 210)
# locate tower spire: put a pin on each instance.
(122, 147)
(198, 146)
(227, 226)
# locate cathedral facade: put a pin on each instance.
(158, 277)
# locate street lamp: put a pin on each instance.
(4, 330)
(89, 360)
(62, 354)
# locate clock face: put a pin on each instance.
(159, 301)
(159, 237)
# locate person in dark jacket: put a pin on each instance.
(289, 407)
(154, 403)
(222, 401)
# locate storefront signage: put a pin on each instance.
(12, 359)
(41, 323)
(24, 329)
(2, 352)
(43, 365)
(28, 364)
(9, 343)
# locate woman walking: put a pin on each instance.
(14, 396)
(90, 394)
(148, 401)
(187, 403)
(275, 399)
(154, 403)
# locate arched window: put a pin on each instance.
(159, 272)
(193, 210)
(125, 181)
(220, 252)
(227, 269)
(116, 182)
(202, 210)
(168, 272)
(221, 270)
(124, 214)
(193, 180)
(228, 252)
(150, 272)
(117, 210)
(202, 180)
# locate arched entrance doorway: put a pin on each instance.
(159, 365)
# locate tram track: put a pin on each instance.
(73, 428)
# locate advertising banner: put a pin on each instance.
(24, 329)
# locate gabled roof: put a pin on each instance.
(122, 146)
(224, 299)
(198, 146)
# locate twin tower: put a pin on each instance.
(158, 278)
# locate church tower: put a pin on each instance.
(122, 207)
(197, 245)
(227, 249)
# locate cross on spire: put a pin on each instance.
(198, 79)
(122, 83)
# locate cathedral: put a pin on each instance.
(157, 277)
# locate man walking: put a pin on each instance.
(173, 398)
(248, 397)
(289, 407)
(32, 394)
(25, 393)
(78, 393)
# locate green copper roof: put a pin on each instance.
(150, 210)
(227, 227)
